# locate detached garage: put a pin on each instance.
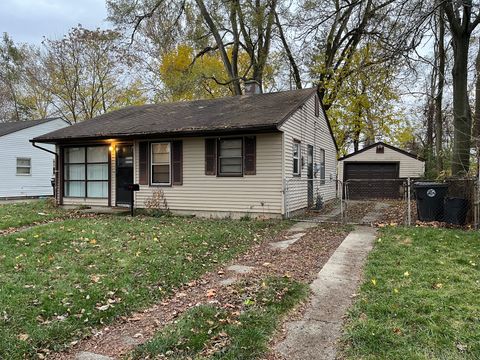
(378, 171)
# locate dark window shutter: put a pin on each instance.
(210, 156)
(317, 107)
(143, 162)
(250, 155)
(177, 162)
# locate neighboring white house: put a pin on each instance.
(26, 171)
(219, 157)
(378, 169)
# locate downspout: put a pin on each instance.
(56, 168)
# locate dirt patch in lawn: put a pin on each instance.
(300, 261)
(73, 214)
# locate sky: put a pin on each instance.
(28, 21)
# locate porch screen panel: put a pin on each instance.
(97, 171)
(74, 172)
(86, 172)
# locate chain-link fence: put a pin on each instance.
(314, 199)
(384, 202)
(453, 202)
(377, 201)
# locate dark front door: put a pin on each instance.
(374, 180)
(124, 172)
(310, 174)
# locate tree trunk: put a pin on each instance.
(462, 119)
(430, 117)
(439, 97)
(476, 126)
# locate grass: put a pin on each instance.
(420, 299)
(27, 213)
(209, 332)
(60, 280)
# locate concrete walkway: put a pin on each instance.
(316, 334)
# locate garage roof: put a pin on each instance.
(385, 145)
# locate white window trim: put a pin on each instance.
(322, 162)
(23, 166)
(298, 145)
(219, 157)
(169, 164)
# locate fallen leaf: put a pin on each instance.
(23, 337)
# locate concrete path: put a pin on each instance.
(316, 334)
(375, 214)
(330, 215)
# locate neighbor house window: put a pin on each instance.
(230, 159)
(86, 172)
(296, 155)
(24, 166)
(161, 163)
(322, 166)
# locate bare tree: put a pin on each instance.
(462, 21)
(441, 56)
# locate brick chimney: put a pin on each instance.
(252, 87)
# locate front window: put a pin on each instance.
(296, 158)
(86, 172)
(24, 166)
(230, 159)
(161, 163)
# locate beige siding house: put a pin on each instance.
(220, 157)
(378, 169)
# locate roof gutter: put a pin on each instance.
(56, 160)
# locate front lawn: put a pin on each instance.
(420, 299)
(60, 280)
(241, 333)
(27, 213)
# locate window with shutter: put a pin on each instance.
(210, 156)
(143, 162)
(161, 163)
(177, 162)
(250, 155)
(230, 159)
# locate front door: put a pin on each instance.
(124, 173)
(310, 175)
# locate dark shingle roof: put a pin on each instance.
(14, 126)
(229, 114)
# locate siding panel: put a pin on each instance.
(409, 167)
(304, 126)
(17, 145)
(201, 192)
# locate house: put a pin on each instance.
(217, 157)
(378, 171)
(25, 170)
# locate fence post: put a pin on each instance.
(409, 210)
(341, 201)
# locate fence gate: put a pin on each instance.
(313, 199)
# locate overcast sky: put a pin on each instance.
(30, 20)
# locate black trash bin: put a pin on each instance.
(430, 197)
(456, 210)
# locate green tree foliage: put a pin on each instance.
(184, 79)
(366, 108)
